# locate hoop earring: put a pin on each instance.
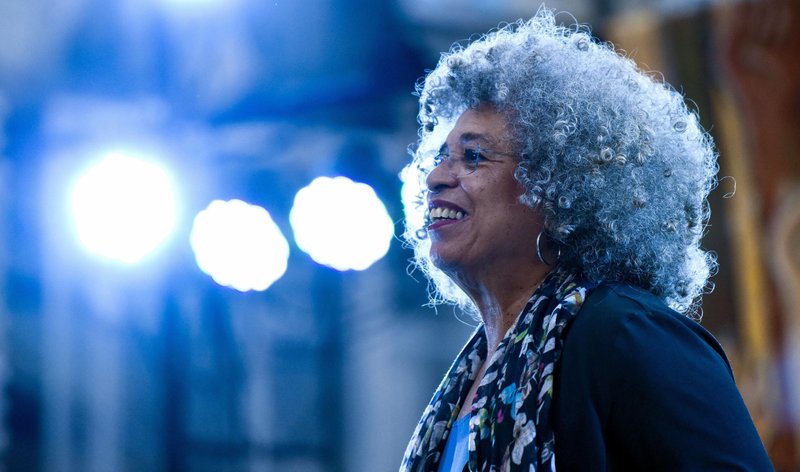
(539, 252)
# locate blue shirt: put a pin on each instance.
(456, 452)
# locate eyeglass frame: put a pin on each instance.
(444, 155)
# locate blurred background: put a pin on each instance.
(182, 293)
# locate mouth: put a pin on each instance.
(440, 213)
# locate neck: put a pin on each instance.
(500, 301)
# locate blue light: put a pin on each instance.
(189, 8)
(123, 207)
(239, 245)
(200, 3)
(341, 224)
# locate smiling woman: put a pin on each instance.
(564, 199)
(488, 249)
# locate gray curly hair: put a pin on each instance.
(619, 166)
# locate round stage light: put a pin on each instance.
(123, 207)
(341, 224)
(239, 245)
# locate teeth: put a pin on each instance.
(445, 213)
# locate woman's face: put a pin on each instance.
(478, 226)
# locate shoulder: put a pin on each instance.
(642, 387)
(617, 320)
(625, 341)
(617, 302)
(646, 388)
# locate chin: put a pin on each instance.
(448, 265)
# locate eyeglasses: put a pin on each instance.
(461, 164)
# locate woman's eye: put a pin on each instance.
(473, 156)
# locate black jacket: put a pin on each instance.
(640, 387)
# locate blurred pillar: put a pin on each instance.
(329, 312)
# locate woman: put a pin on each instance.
(564, 200)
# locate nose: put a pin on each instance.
(441, 177)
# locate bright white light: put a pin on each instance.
(239, 245)
(341, 223)
(123, 207)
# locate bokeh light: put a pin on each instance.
(341, 224)
(239, 245)
(123, 207)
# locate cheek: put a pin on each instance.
(507, 191)
(497, 186)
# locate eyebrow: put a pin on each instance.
(469, 137)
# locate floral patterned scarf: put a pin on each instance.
(510, 426)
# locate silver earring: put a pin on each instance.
(539, 252)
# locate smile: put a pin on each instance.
(439, 213)
(442, 212)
